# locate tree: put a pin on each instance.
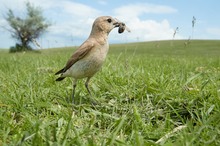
(26, 30)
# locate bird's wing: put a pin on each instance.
(81, 52)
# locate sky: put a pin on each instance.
(148, 20)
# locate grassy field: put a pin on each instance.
(147, 93)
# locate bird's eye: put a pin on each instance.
(109, 20)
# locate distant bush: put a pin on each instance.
(19, 48)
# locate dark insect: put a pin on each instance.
(121, 28)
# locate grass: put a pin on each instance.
(147, 93)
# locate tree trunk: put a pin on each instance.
(24, 45)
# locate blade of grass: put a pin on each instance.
(116, 130)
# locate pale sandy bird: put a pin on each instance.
(89, 57)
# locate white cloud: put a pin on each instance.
(78, 9)
(135, 10)
(145, 29)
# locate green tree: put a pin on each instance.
(27, 29)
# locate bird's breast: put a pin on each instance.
(90, 64)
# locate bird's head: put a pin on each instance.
(104, 24)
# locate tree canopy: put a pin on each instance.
(28, 29)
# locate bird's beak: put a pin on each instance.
(116, 24)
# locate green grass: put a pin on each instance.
(143, 92)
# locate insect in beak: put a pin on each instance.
(121, 26)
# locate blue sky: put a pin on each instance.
(148, 20)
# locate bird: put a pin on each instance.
(89, 57)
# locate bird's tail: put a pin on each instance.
(60, 78)
(60, 71)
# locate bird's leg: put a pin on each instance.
(87, 85)
(93, 100)
(74, 87)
